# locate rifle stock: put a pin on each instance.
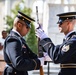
(41, 70)
(40, 52)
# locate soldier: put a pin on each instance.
(17, 55)
(65, 53)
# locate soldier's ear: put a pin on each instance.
(19, 25)
(68, 22)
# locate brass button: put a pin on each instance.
(24, 52)
(23, 19)
(15, 72)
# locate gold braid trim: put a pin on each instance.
(25, 17)
(67, 15)
(36, 64)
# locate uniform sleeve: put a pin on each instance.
(32, 55)
(60, 53)
(13, 47)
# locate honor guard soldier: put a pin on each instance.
(65, 53)
(17, 55)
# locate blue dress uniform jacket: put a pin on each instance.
(65, 54)
(18, 56)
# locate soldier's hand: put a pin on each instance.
(37, 26)
(41, 34)
(41, 60)
(46, 57)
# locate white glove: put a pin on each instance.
(46, 57)
(38, 25)
(41, 34)
(41, 60)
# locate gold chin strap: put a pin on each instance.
(68, 16)
(25, 17)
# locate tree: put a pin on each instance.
(30, 38)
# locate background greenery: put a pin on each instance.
(31, 39)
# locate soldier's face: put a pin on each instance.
(64, 27)
(23, 29)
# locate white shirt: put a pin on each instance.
(16, 32)
(2, 43)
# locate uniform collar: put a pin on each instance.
(68, 34)
(16, 32)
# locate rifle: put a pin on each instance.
(40, 52)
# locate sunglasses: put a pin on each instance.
(25, 25)
(63, 22)
(60, 23)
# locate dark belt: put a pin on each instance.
(67, 65)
